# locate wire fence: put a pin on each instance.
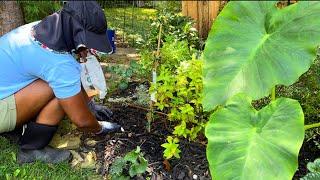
(129, 18)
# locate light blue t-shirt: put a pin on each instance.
(23, 61)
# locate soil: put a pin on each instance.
(308, 153)
(192, 164)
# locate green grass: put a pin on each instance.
(9, 169)
(133, 23)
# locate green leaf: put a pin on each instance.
(254, 46)
(117, 167)
(132, 156)
(312, 176)
(314, 166)
(120, 177)
(138, 150)
(245, 144)
(16, 172)
(171, 148)
(181, 130)
(138, 168)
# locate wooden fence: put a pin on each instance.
(203, 12)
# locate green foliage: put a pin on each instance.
(173, 24)
(147, 59)
(254, 143)
(10, 169)
(173, 52)
(130, 23)
(169, 6)
(180, 92)
(171, 148)
(265, 50)
(133, 162)
(314, 168)
(307, 91)
(142, 95)
(121, 75)
(37, 10)
(251, 48)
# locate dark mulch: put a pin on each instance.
(193, 157)
(308, 153)
(193, 160)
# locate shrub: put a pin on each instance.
(37, 10)
(179, 93)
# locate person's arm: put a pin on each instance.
(77, 110)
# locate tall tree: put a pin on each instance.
(10, 16)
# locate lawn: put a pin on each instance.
(10, 169)
(130, 23)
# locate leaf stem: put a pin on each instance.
(273, 93)
(309, 126)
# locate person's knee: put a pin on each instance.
(31, 99)
(43, 87)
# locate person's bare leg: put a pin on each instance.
(51, 114)
(37, 101)
(31, 100)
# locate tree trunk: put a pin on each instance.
(10, 16)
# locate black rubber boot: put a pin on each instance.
(33, 145)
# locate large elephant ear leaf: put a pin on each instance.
(247, 144)
(254, 46)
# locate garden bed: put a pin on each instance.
(192, 164)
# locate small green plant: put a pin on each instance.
(171, 148)
(132, 164)
(142, 95)
(314, 168)
(121, 75)
(180, 94)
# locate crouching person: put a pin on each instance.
(40, 79)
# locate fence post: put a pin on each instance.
(203, 12)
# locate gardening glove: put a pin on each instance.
(102, 113)
(108, 127)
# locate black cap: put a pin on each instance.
(91, 17)
(78, 24)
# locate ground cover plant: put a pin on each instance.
(265, 50)
(314, 168)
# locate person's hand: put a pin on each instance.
(102, 113)
(108, 127)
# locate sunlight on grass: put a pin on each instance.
(9, 169)
(130, 23)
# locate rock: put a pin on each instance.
(77, 159)
(89, 161)
(149, 170)
(181, 175)
(90, 142)
(68, 141)
(195, 176)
